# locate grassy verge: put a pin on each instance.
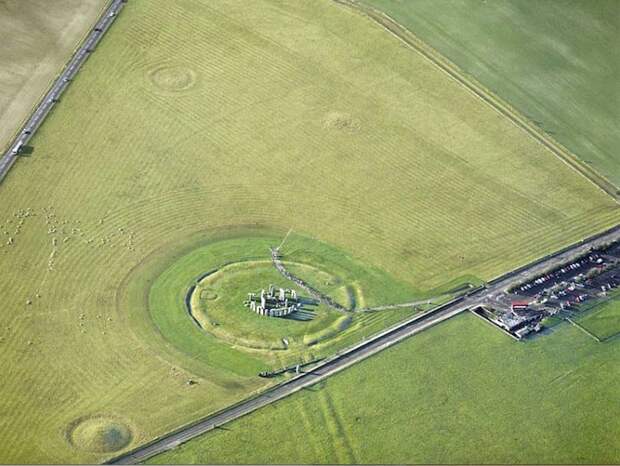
(448, 395)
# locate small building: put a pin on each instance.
(523, 332)
(519, 305)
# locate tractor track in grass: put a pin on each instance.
(411, 40)
(363, 350)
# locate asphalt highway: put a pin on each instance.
(327, 367)
(60, 84)
(364, 350)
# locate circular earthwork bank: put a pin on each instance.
(172, 78)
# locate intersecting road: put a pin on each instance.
(60, 84)
(364, 350)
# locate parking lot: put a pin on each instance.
(560, 292)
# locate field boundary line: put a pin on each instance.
(44, 106)
(408, 38)
(42, 94)
(583, 329)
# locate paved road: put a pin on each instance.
(60, 84)
(363, 350)
(327, 367)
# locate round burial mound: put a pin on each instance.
(173, 78)
(100, 434)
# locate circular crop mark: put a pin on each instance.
(99, 434)
(172, 78)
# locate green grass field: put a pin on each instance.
(603, 318)
(233, 338)
(37, 39)
(553, 60)
(220, 311)
(193, 121)
(462, 392)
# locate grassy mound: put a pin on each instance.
(100, 435)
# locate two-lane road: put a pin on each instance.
(59, 86)
(364, 350)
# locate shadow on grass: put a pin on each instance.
(26, 151)
(303, 315)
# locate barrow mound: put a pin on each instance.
(99, 434)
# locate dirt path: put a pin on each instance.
(316, 294)
(388, 307)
